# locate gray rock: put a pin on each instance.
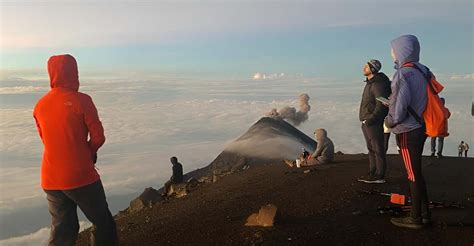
(148, 198)
(192, 183)
(178, 190)
(205, 179)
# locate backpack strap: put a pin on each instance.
(415, 115)
(426, 76)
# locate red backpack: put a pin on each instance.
(435, 116)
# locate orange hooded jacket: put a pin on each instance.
(69, 126)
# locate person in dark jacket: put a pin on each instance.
(177, 176)
(372, 114)
(407, 102)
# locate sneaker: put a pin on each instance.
(365, 177)
(373, 180)
(408, 222)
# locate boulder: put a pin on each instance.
(192, 183)
(205, 179)
(148, 198)
(266, 216)
(178, 190)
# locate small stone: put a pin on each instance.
(252, 220)
(266, 216)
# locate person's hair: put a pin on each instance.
(462, 141)
(174, 159)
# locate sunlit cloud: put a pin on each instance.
(39, 237)
(462, 77)
(21, 89)
(264, 76)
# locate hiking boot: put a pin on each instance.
(373, 180)
(425, 217)
(408, 222)
(290, 163)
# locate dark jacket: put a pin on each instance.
(371, 110)
(177, 173)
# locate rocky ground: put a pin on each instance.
(322, 207)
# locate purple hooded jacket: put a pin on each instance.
(408, 86)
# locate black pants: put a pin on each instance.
(91, 200)
(440, 145)
(411, 149)
(374, 137)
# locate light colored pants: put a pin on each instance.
(312, 162)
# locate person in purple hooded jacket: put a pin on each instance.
(407, 103)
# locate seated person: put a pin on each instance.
(323, 154)
(177, 176)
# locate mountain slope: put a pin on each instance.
(323, 207)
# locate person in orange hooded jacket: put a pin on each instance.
(71, 132)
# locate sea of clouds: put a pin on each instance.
(148, 121)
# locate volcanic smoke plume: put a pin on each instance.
(290, 113)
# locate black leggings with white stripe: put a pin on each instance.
(411, 149)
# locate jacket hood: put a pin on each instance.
(321, 133)
(63, 72)
(406, 49)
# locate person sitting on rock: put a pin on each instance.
(323, 154)
(177, 176)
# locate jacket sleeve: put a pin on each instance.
(380, 111)
(96, 131)
(319, 150)
(38, 126)
(399, 102)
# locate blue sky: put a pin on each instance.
(234, 38)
